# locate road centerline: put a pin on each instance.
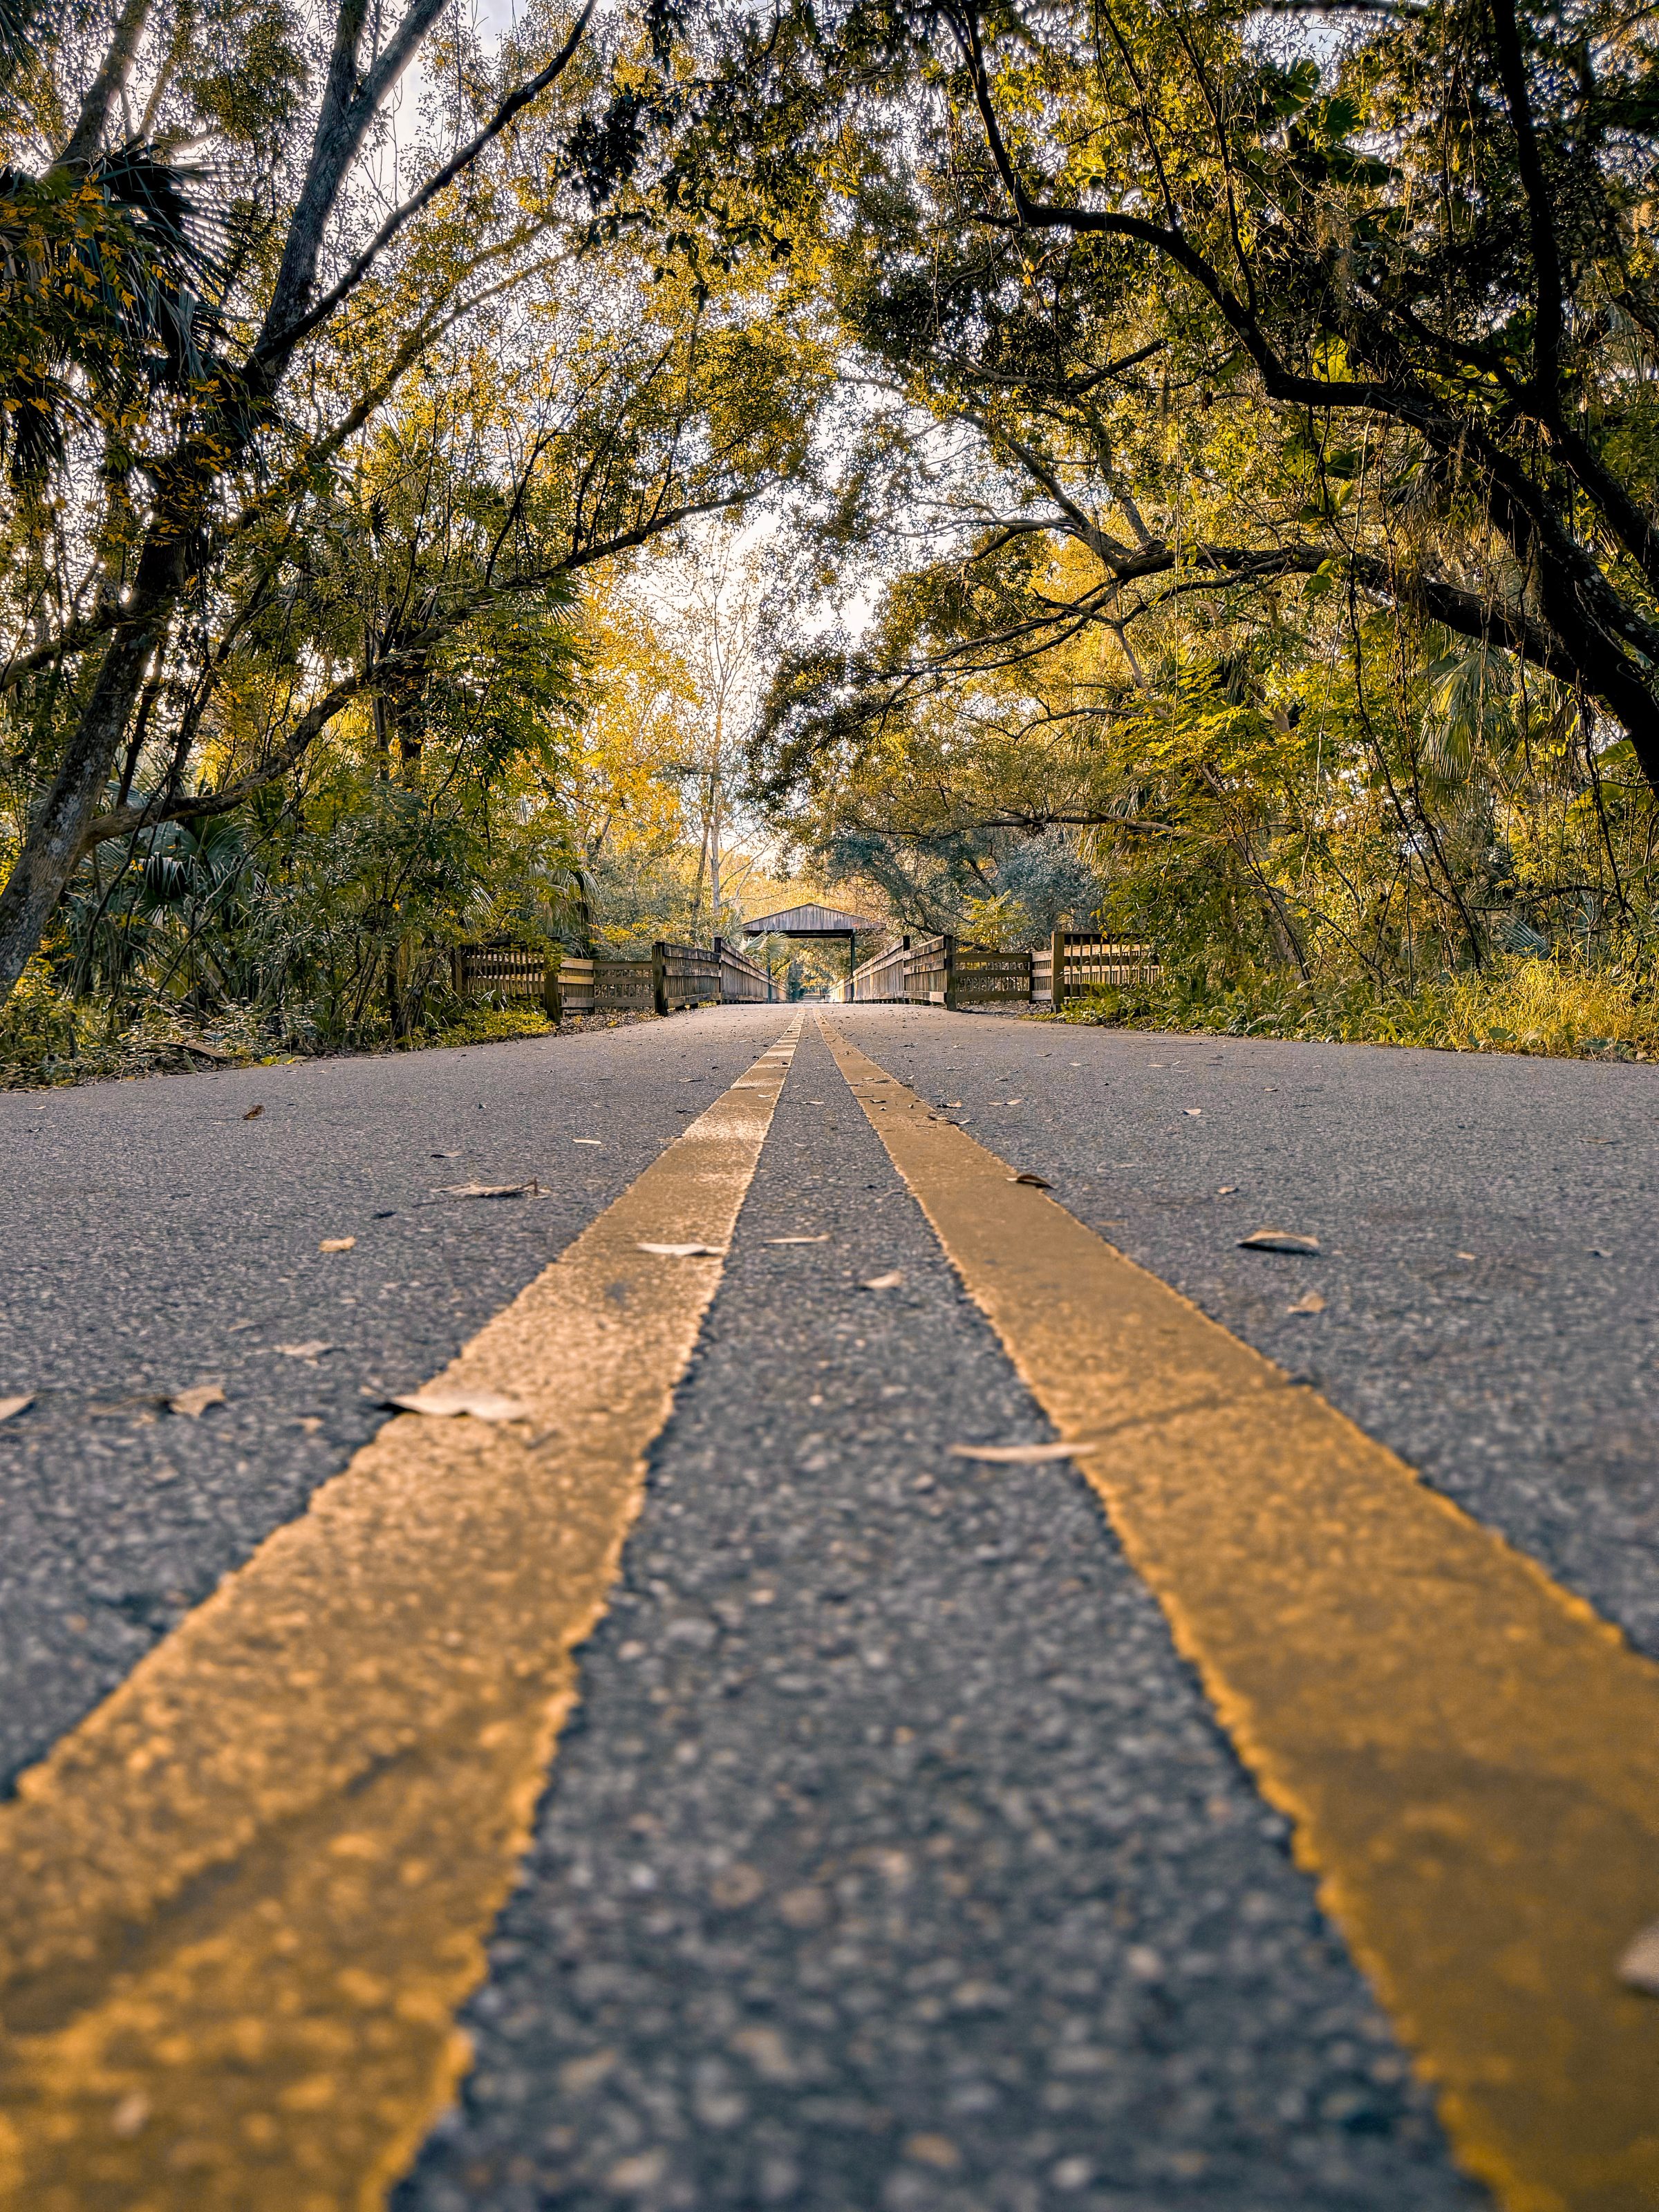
(244, 1898)
(1470, 1755)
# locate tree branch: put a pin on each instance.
(287, 339)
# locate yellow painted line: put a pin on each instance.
(241, 1902)
(1469, 1754)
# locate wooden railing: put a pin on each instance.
(671, 977)
(1084, 960)
(880, 978)
(943, 971)
(742, 982)
(508, 971)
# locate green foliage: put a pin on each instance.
(1551, 1008)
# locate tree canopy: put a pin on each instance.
(1209, 452)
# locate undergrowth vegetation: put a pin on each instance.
(1516, 1005)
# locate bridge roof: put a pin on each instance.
(811, 921)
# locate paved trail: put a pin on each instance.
(891, 1856)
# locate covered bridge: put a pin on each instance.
(817, 922)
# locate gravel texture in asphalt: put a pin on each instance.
(892, 1862)
(1487, 1226)
(156, 1239)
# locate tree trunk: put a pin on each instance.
(52, 846)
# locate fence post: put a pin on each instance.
(552, 995)
(950, 973)
(1058, 985)
(660, 976)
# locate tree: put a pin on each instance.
(189, 537)
(1415, 285)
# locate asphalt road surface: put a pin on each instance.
(893, 1860)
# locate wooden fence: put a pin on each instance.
(672, 976)
(508, 971)
(943, 971)
(742, 982)
(1086, 960)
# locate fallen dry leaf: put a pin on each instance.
(1639, 1963)
(129, 2116)
(446, 1155)
(686, 1251)
(337, 1243)
(1277, 1240)
(1019, 1455)
(888, 1282)
(824, 1239)
(1226, 1190)
(253, 1113)
(192, 1404)
(311, 1351)
(1639, 1966)
(1192, 1112)
(10, 1406)
(444, 1405)
(1035, 1181)
(587, 1140)
(1312, 1304)
(530, 1189)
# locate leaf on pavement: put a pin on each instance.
(1019, 1455)
(686, 1251)
(1312, 1304)
(1192, 1112)
(10, 1406)
(587, 1140)
(253, 1113)
(1638, 1968)
(1226, 1190)
(888, 1282)
(337, 1243)
(313, 1350)
(444, 1405)
(1277, 1240)
(1034, 1181)
(446, 1155)
(824, 1239)
(192, 1404)
(530, 1189)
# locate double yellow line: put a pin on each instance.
(241, 1904)
(1470, 1756)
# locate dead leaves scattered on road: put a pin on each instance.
(1278, 1240)
(1031, 1181)
(337, 1243)
(1313, 1303)
(888, 1282)
(313, 1350)
(686, 1251)
(824, 1239)
(253, 1113)
(10, 1406)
